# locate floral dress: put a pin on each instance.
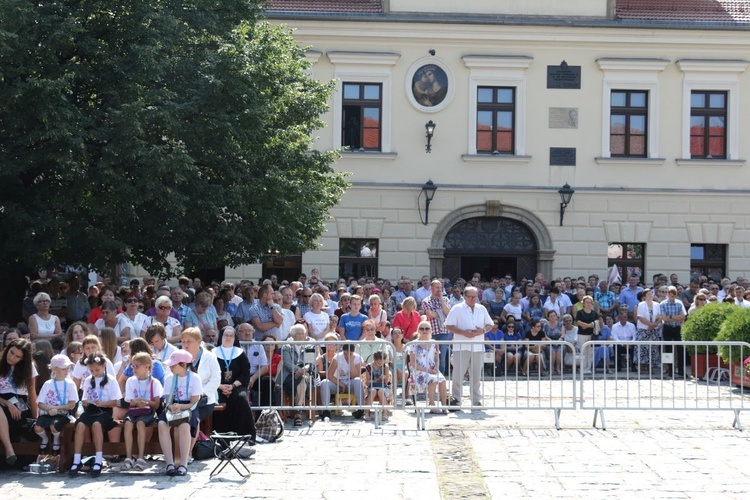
(425, 355)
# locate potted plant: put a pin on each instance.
(702, 325)
(736, 328)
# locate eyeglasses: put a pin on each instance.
(511, 327)
(165, 308)
(43, 301)
(306, 296)
(135, 366)
(132, 301)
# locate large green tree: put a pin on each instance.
(142, 130)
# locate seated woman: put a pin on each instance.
(294, 375)
(235, 379)
(207, 368)
(17, 396)
(119, 322)
(156, 336)
(424, 364)
(172, 328)
(534, 352)
(513, 353)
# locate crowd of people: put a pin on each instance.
(154, 356)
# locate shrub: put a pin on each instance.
(736, 328)
(702, 325)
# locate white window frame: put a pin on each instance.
(498, 71)
(631, 74)
(364, 67)
(721, 75)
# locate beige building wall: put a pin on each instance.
(666, 202)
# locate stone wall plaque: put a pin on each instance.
(565, 157)
(563, 76)
(563, 117)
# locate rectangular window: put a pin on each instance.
(628, 119)
(708, 124)
(361, 112)
(358, 257)
(496, 120)
(709, 261)
(629, 258)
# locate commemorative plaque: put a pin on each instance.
(563, 76)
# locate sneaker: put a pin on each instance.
(325, 414)
(456, 404)
(358, 414)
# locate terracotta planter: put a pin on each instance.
(700, 363)
(738, 376)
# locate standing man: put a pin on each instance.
(673, 314)
(629, 295)
(436, 309)
(605, 299)
(266, 316)
(243, 310)
(468, 322)
(423, 292)
(177, 296)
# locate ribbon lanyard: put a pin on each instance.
(174, 388)
(61, 400)
(138, 387)
(198, 359)
(224, 357)
(164, 352)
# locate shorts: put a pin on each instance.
(193, 422)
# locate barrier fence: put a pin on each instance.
(494, 376)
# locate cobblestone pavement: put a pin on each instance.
(479, 454)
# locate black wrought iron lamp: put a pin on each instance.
(566, 194)
(430, 127)
(428, 190)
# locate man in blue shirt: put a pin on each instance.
(629, 295)
(350, 324)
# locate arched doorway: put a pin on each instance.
(493, 239)
(492, 246)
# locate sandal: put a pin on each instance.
(140, 464)
(171, 471)
(43, 448)
(96, 469)
(75, 469)
(181, 470)
(298, 420)
(128, 464)
(56, 449)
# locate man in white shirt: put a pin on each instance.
(423, 292)
(468, 322)
(623, 331)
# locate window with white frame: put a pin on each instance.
(497, 99)
(703, 81)
(367, 73)
(630, 117)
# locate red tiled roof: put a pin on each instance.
(706, 11)
(354, 6)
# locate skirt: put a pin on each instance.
(46, 421)
(93, 414)
(23, 422)
(648, 354)
(193, 422)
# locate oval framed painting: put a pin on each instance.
(429, 85)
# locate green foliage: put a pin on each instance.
(141, 130)
(736, 328)
(702, 325)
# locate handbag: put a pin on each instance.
(180, 417)
(205, 448)
(142, 412)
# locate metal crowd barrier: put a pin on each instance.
(660, 375)
(584, 381)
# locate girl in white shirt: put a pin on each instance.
(56, 401)
(100, 396)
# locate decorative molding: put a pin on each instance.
(497, 61)
(712, 66)
(630, 162)
(632, 64)
(367, 58)
(495, 159)
(711, 233)
(704, 163)
(635, 232)
(367, 155)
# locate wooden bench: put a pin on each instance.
(67, 443)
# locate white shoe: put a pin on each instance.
(587, 372)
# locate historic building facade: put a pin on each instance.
(643, 109)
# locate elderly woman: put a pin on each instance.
(407, 318)
(424, 364)
(172, 327)
(201, 316)
(235, 379)
(118, 322)
(206, 366)
(17, 395)
(294, 374)
(648, 328)
(43, 324)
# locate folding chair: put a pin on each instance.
(232, 443)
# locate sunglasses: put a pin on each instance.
(165, 308)
(132, 301)
(425, 329)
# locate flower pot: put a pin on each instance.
(738, 376)
(700, 363)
